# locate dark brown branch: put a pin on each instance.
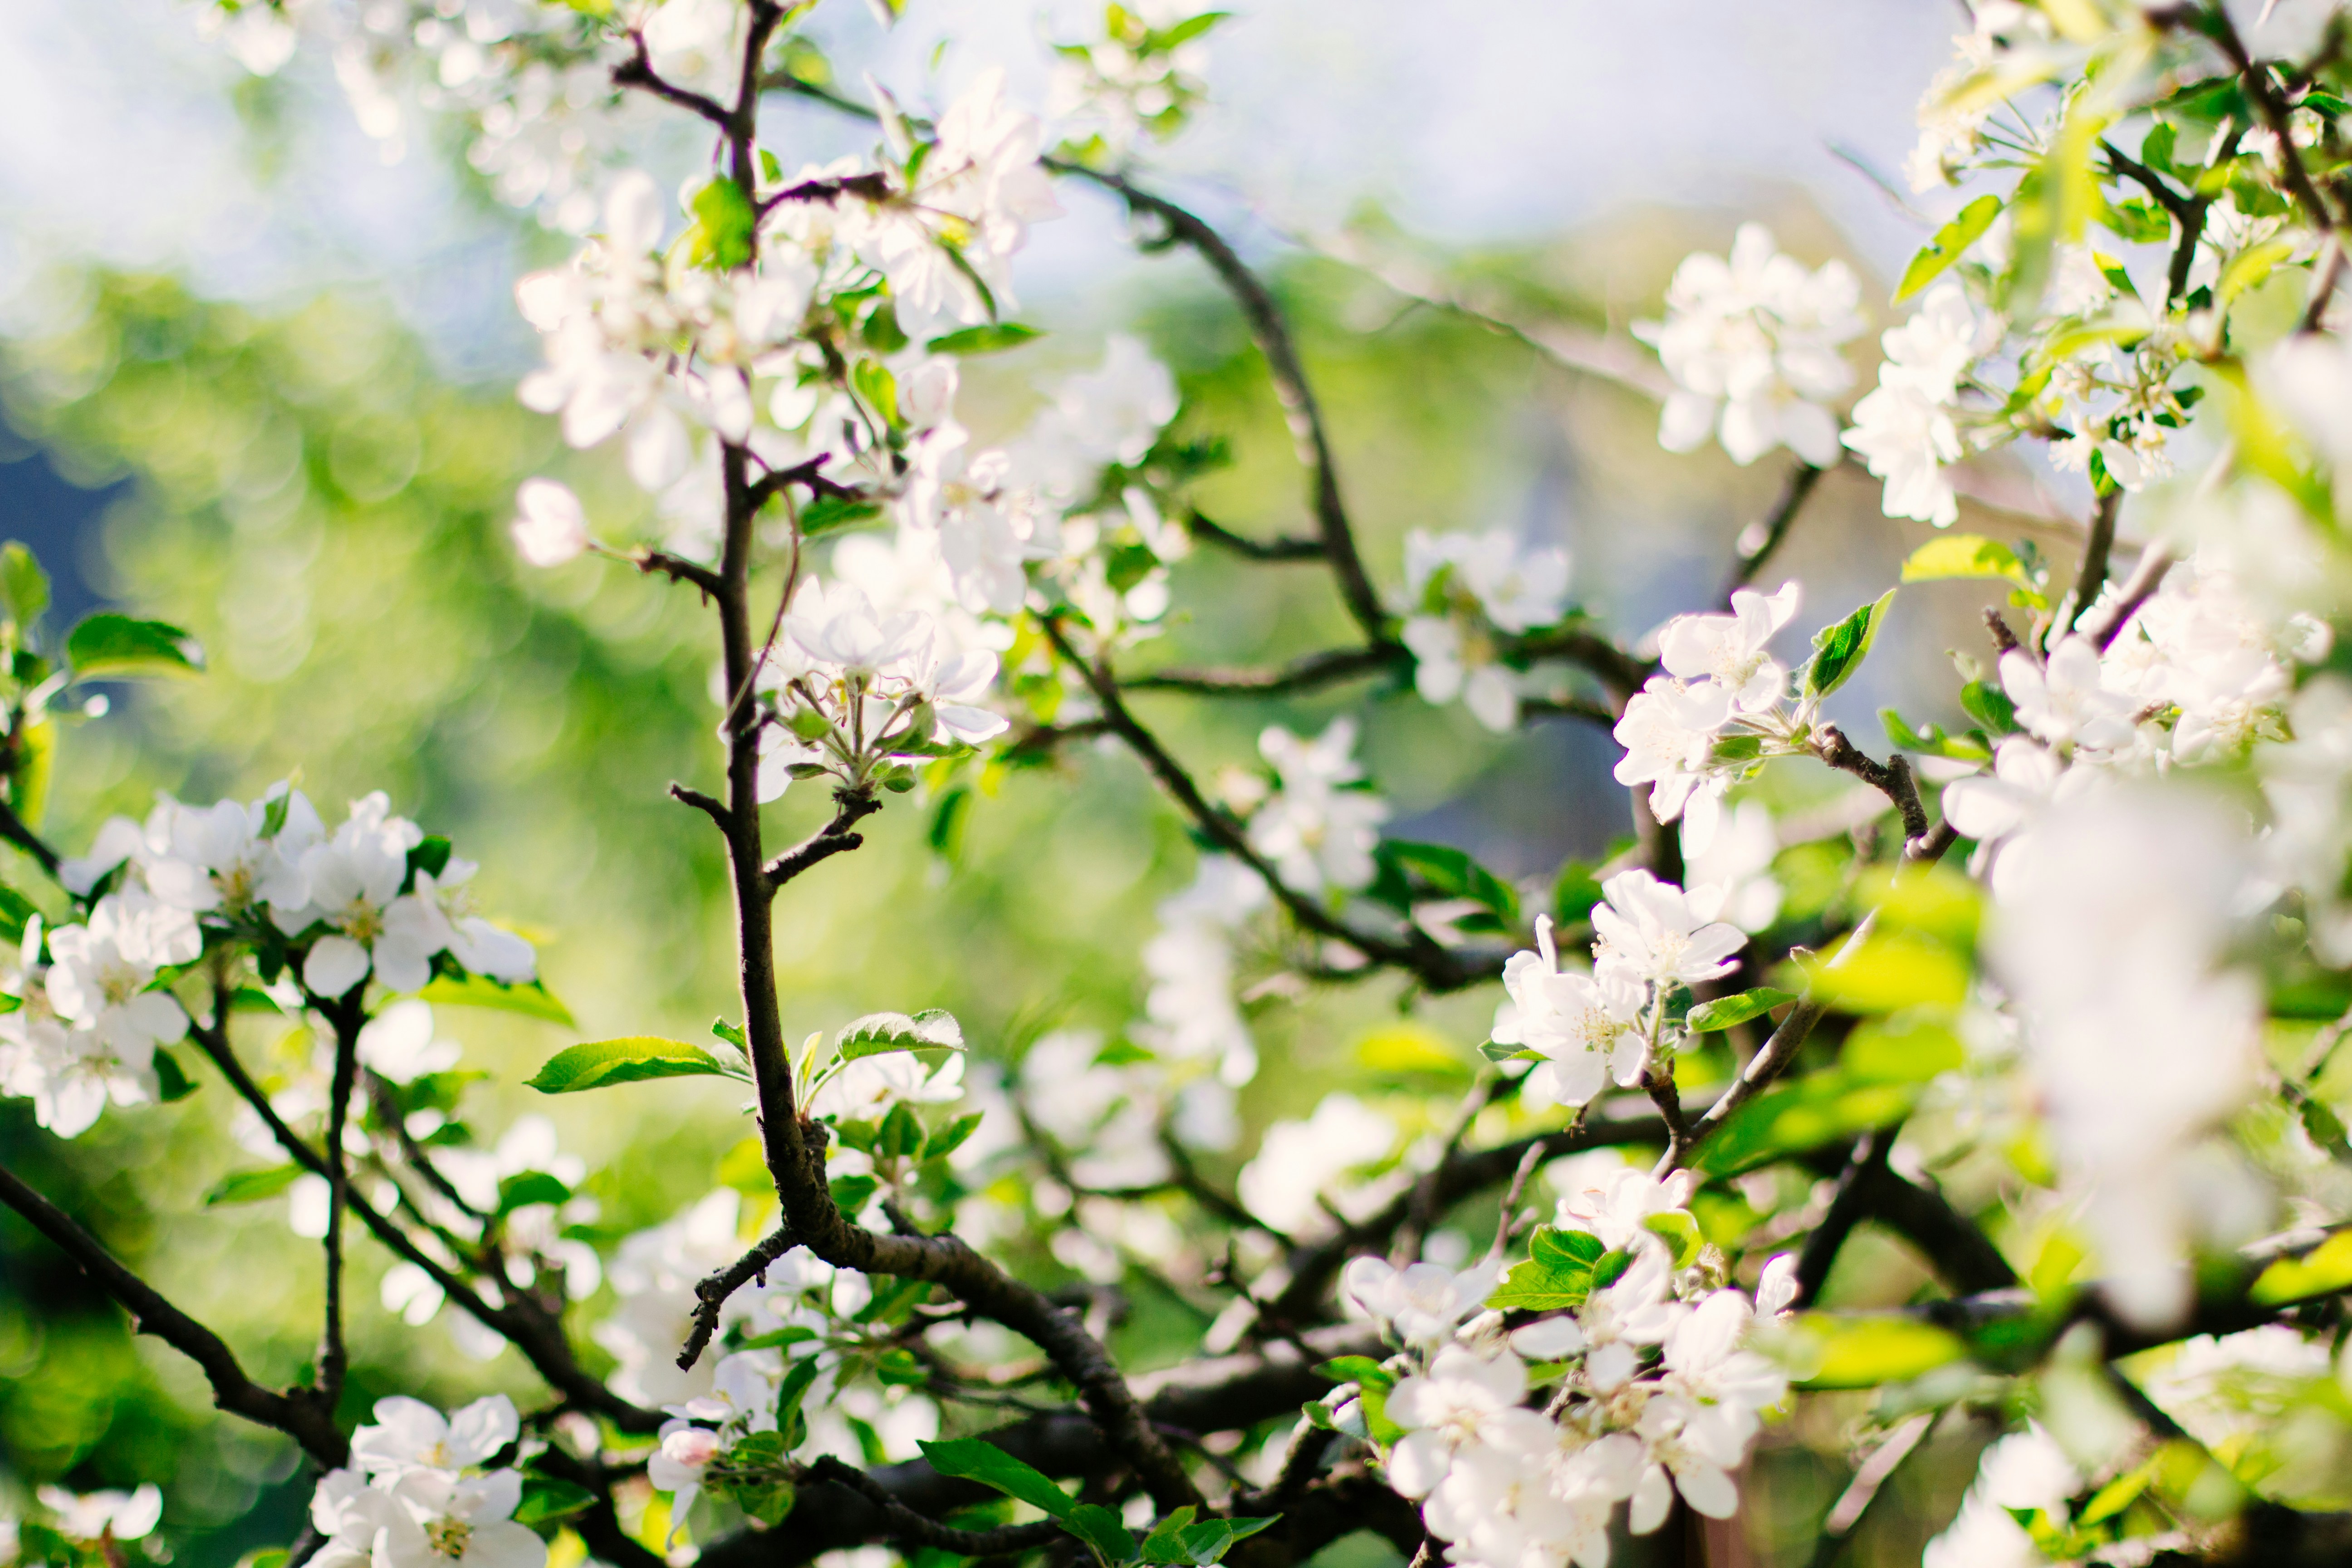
(1272, 335)
(1309, 673)
(1286, 548)
(1620, 674)
(1849, 1206)
(333, 1358)
(701, 803)
(2274, 114)
(538, 1335)
(1891, 778)
(1439, 969)
(710, 1294)
(637, 71)
(2095, 551)
(1954, 1247)
(678, 569)
(1312, 1269)
(1777, 523)
(834, 838)
(13, 829)
(1567, 708)
(808, 474)
(874, 186)
(903, 1524)
(296, 1412)
(2138, 589)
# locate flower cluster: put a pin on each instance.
(1461, 589)
(1582, 1030)
(1143, 75)
(1720, 680)
(2026, 1472)
(1318, 828)
(420, 1492)
(1752, 343)
(1652, 1389)
(1903, 430)
(93, 1002)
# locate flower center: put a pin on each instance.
(449, 1537)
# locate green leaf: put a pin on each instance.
(876, 1033)
(1361, 1369)
(800, 1375)
(1989, 706)
(2250, 269)
(1192, 27)
(1964, 555)
(23, 587)
(901, 1135)
(987, 339)
(16, 911)
(851, 1194)
(946, 1141)
(1566, 1248)
(108, 646)
(171, 1080)
(545, 1499)
(1909, 1047)
(629, 1059)
(830, 514)
(1893, 969)
(1725, 1011)
(875, 383)
(2323, 1271)
(724, 220)
(532, 1001)
(251, 1186)
(531, 1187)
(1949, 242)
(732, 1034)
(1867, 1351)
(1161, 1545)
(1794, 1117)
(1839, 650)
(1189, 1546)
(1100, 1529)
(968, 1458)
(1680, 1232)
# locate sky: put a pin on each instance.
(1506, 121)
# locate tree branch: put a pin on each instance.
(1892, 778)
(710, 1293)
(1286, 549)
(13, 829)
(295, 1412)
(2275, 115)
(1438, 968)
(1308, 673)
(1776, 525)
(2095, 551)
(903, 1525)
(1849, 1206)
(2138, 589)
(833, 838)
(333, 1358)
(538, 1336)
(1289, 377)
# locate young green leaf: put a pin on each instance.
(629, 1059)
(723, 221)
(1100, 1529)
(1964, 555)
(172, 1081)
(528, 1187)
(878, 1032)
(1949, 242)
(108, 646)
(23, 584)
(251, 1186)
(545, 1499)
(971, 1460)
(1725, 1011)
(987, 339)
(1839, 650)
(532, 1001)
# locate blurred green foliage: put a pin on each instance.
(327, 515)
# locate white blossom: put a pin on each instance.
(1315, 830)
(1731, 650)
(550, 526)
(1586, 1028)
(1751, 343)
(1660, 933)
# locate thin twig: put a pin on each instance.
(710, 1293)
(2138, 589)
(333, 1358)
(1777, 523)
(1849, 1205)
(1892, 778)
(1308, 673)
(904, 1524)
(834, 838)
(1283, 549)
(2096, 550)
